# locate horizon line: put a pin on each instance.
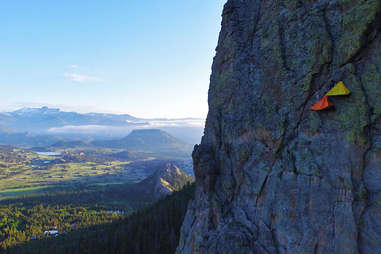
(110, 112)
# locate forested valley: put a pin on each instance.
(154, 229)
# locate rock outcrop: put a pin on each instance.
(167, 179)
(272, 176)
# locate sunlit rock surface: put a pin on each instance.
(273, 176)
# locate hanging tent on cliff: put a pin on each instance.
(339, 89)
(324, 103)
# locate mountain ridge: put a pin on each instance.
(153, 141)
(164, 181)
(46, 121)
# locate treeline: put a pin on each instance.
(27, 218)
(20, 224)
(155, 229)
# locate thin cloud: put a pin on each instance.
(74, 66)
(176, 123)
(131, 125)
(80, 78)
(86, 128)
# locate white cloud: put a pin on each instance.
(131, 125)
(74, 66)
(89, 129)
(175, 123)
(80, 78)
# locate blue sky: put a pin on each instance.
(148, 58)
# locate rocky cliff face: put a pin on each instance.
(273, 176)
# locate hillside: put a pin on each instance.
(74, 207)
(155, 229)
(277, 171)
(26, 139)
(25, 172)
(165, 180)
(69, 144)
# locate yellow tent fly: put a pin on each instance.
(338, 89)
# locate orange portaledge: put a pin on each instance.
(324, 103)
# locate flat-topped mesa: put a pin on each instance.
(273, 176)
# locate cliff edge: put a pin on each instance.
(272, 176)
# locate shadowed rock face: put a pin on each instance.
(273, 176)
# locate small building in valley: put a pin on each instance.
(51, 232)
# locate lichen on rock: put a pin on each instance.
(271, 175)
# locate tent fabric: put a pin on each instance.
(338, 89)
(324, 103)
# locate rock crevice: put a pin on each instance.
(271, 175)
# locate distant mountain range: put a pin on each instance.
(143, 142)
(46, 126)
(42, 119)
(26, 139)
